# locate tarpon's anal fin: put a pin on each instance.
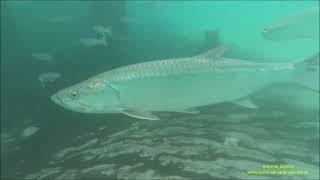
(141, 114)
(246, 103)
(213, 53)
(189, 111)
(307, 73)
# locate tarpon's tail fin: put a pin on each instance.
(307, 73)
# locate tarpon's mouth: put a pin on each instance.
(77, 107)
(55, 98)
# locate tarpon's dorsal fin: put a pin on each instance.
(141, 114)
(246, 102)
(213, 54)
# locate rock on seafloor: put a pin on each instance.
(187, 148)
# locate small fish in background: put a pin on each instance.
(106, 31)
(29, 131)
(302, 25)
(7, 138)
(48, 77)
(9, 141)
(92, 42)
(43, 56)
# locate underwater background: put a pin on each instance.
(41, 54)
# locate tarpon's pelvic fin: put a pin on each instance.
(213, 53)
(246, 102)
(141, 114)
(189, 111)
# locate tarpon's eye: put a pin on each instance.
(74, 95)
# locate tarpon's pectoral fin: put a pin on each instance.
(189, 111)
(246, 103)
(141, 114)
(214, 53)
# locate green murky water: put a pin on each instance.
(40, 140)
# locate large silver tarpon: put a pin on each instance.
(180, 85)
